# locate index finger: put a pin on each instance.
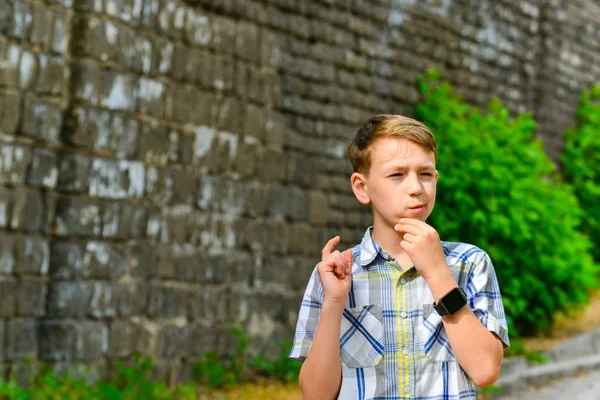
(326, 252)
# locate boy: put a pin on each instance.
(393, 308)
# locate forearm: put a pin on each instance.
(477, 350)
(321, 372)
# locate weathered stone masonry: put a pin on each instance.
(169, 168)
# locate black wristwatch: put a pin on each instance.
(451, 302)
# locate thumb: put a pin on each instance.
(348, 259)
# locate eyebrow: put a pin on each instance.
(401, 166)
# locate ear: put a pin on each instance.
(437, 176)
(359, 186)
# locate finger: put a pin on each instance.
(338, 262)
(326, 252)
(406, 245)
(407, 228)
(409, 237)
(414, 222)
(348, 259)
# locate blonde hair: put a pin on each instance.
(383, 126)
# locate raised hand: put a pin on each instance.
(335, 270)
(422, 244)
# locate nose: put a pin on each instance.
(414, 185)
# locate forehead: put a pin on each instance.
(400, 152)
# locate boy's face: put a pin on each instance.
(401, 182)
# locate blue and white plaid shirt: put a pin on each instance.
(393, 344)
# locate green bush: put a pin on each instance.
(498, 190)
(130, 382)
(581, 163)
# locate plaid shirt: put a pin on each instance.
(393, 344)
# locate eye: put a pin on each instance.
(427, 174)
(397, 175)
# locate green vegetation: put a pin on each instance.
(500, 191)
(581, 163)
(133, 380)
(217, 373)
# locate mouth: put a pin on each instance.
(417, 208)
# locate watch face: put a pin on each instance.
(452, 302)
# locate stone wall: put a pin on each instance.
(169, 169)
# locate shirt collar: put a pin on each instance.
(368, 248)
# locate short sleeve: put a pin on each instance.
(484, 297)
(308, 318)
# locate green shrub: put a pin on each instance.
(130, 382)
(282, 368)
(498, 190)
(581, 163)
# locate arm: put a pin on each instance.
(478, 350)
(321, 374)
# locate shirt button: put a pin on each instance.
(403, 281)
(406, 389)
(405, 352)
(403, 314)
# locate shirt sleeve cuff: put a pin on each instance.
(493, 325)
(300, 350)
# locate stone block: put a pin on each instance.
(203, 108)
(28, 71)
(198, 30)
(41, 24)
(86, 79)
(175, 341)
(32, 255)
(10, 113)
(132, 221)
(76, 216)
(42, 120)
(223, 35)
(116, 179)
(156, 144)
(104, 260)
(69, 299)
(14, 164)
(162, 57)
(91, 340)
(57, 339)
(52, 76)
(118, 91)
(61, 32)
(31, 301)
(150, 97)
(143, 258)
(43, 170)
(228, 115)
(103, 302)
(270, 49)
(8, 293)
(8, 254)
(131, 299)
(122, 337)
(28, 211)
(222, 72)
(66, 260)
(247, 42)
(21, 20)
(73, 173)
(10, 55)
(21, 340)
